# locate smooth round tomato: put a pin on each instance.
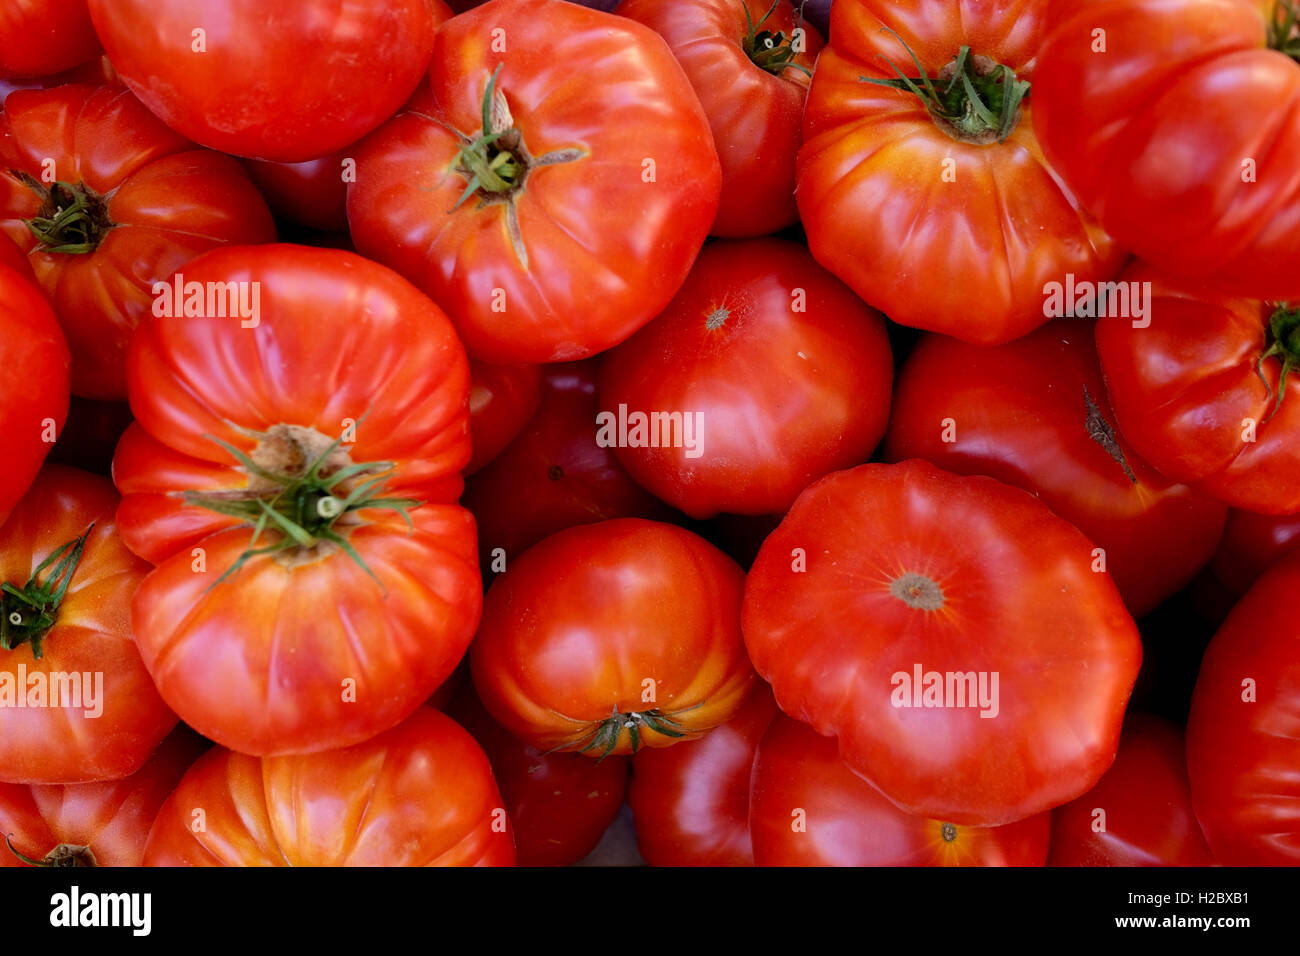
(40, 37)
(34, 401)
(146, 200)
(1177, 123)
(764, 373)
(560, 804)
(750, 63)
(1034, 414)
(1204, 391)
(93, 824)
(1251, 543)
(311, 193)
(552, 191)
(1140, 812)
(608, 637)
(295, 482)
(288, 85)
(951, 633)
(419, 794)
(807, 808)
(1242, 746)
(691, 803)
(554, 475)
(942, 214)
(76, 702)
(502, 398)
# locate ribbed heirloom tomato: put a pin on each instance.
(293, 474)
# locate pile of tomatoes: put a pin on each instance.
(831, 432)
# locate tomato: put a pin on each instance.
(554, 475)
(584, 215)
(311, 193)
(76, 703)
(502, 398)
(560, 805)
(40, 37)
(1182, 136)
(147, 203)
(951, 633)
(11, 257)
(1140, 812)
(608, 637)
(777, 374)
(807, 808)
(1034, 414)
(324, 73)
(1203, 390)
(750, 69)
(1242, 747)
(342, 410)
(1251, 543)
(94, 824)
(940, 219)
(95, 72)
(34, 401)
(691, 803)
(419, 794)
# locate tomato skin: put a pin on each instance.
(850, 823)
(781, 396)
(605, 249)
(1183, 388)
(883, 568)
(1242, 749)
(502, 398)
(691, 803)
(420, 794)
(1147, 802)
(310, 193)
(327, 74)
(754, 115)
(582, 621)
(111, 817)
(169, 202)
(110, 737)
(560, 805)
(1152, 135)
(257, 661)
(1019, 413)
(1251, 543)
(33, 349)
(40, 37)
(938, 234)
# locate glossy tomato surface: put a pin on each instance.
(502, 398)
(312, 193)
(40, 37)
(1251, 543)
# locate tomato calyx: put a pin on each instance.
(949, 832)
(65, 854)
(973, 99)
(28, 613)
(72, 219)
(771, 52)
(1284, 29)
(496, 164)
(610, 730)
(917, 591)
(1101, 431)
(303, 485)
(1281, 341)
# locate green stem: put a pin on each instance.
(28, 613)
(72, 219)
(773, 52)
(1283, 35)
(1282, 342)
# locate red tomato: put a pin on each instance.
(750, 63)
(94, 824)
(331, 621)
(691, 803)
(1034, 414)
(553, 475)
(11, 257)
(1242, 744)
(40, 37)
(1250, 544)
(575, 226)
(605, 638)
(148, 203)
(1026, 657)
(34, 400)
(76, 703)
(290, 86)
(776, 372)
(940, 219)
(1140, 812)
(502, 398)
(807, 808)
(1203, 390)
(1182, 135)
(312, 193)
(560, 805)
(419, 794)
